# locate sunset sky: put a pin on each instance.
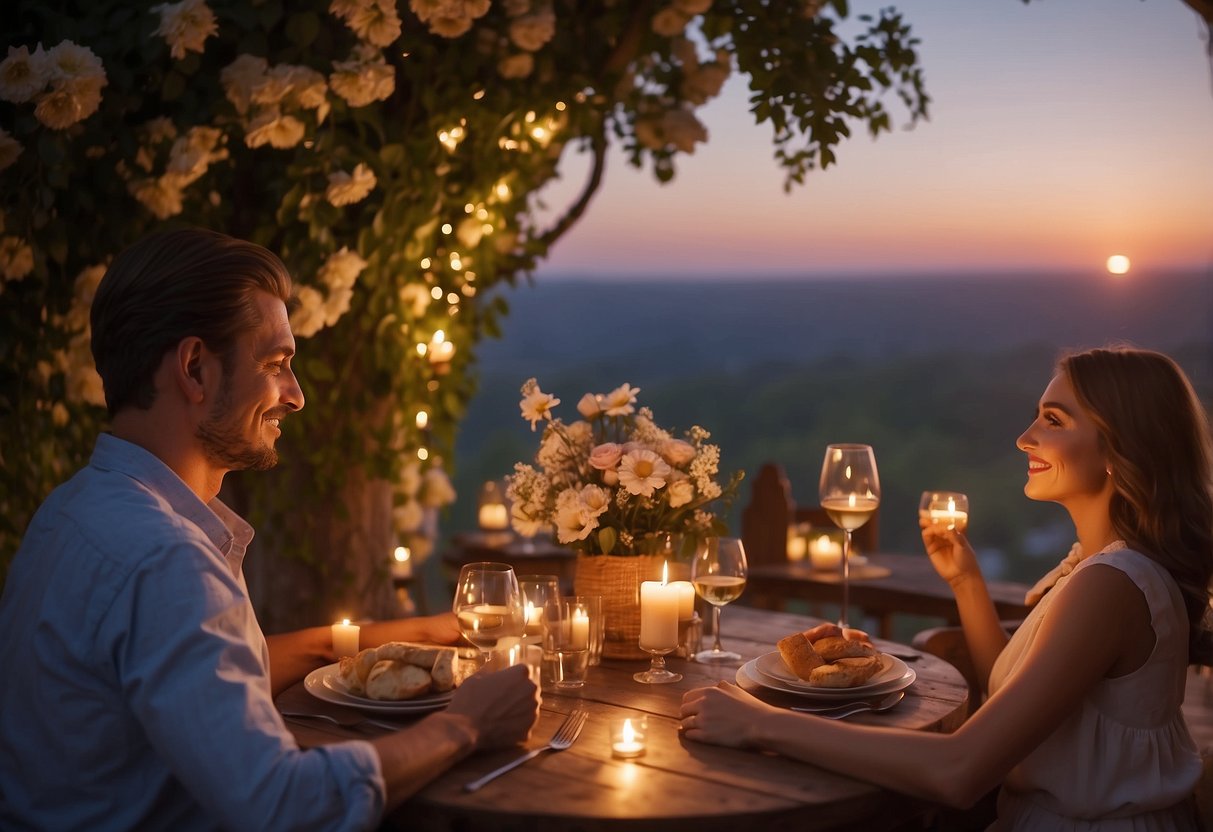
(1061, 132)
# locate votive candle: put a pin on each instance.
(345, 638)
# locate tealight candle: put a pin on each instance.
(686, 599)
(494, 516)
(345, 638)
(402, 563)
(947, 508)
(825, 553)
(627, 737)
(797, 545)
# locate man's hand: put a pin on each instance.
(502, 706)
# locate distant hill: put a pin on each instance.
(939, 374)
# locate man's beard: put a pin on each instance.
(224, 443)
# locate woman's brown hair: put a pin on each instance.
(1156, 434)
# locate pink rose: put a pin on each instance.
(606, 456)
(677, 452)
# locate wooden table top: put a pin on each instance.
(680, 784)
(891, 583)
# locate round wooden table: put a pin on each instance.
(678, 784)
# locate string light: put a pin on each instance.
(436, 292)
(447, 228)
(423, 419)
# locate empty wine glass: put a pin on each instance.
(850, 495)
(488, 605)
(719, 573)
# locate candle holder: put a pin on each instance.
(657, 674)
(948, 508)
(492, 513)
(628, 736)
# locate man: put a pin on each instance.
(138, 685)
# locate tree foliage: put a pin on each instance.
(391, 155)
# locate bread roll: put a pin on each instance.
(395, 680)
(845, 673)
(836, 647)
(798, 654)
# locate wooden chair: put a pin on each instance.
(766, 518)
(948, 643)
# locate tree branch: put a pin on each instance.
(598, 144)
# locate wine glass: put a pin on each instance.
(488, 605)
(850, 495)
(949, 508)
(719, 572)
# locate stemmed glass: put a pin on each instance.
(850, 495)
(488, 605)
(719, 573)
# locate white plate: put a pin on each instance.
(323, 683)
(772, 667)
(897, 676)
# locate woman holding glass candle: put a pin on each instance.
(1122, 443)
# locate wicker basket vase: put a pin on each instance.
(617, 579)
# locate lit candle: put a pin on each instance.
(494, 516)
(402, 563)
(951, 516)
(580, 638)
(627, 740)
(825, 553)
(659, 613)
(345, 638)
(686, 599)
(797, 545)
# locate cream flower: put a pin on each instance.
(346, 189)
(376, 22)
(160, 195)
(520, 65)
(240, 78)
(272, 128)
(677, 452)
(22, 75)
(436, 488)
(10, 149)
(363, 81)
(58, 109)
(16, 258)
(620, 401)
(408, 517)
(469, 232)
(337, 304)
(194, 152)
(341, 268)
(642, 472)
(185, 25)
(536, 405)
(589, 406)
(523, 522)
(595, 499)
(449, 18)
(308, 316)
(410, 479)
(573, 521)
(415, 298)
(531, 32)
(680, 493)
(309, 89)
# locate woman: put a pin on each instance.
(1083, 724)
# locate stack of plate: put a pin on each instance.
(769, 673)
(324, 683)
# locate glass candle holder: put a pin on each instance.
(628, 736)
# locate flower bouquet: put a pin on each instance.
(613, 483)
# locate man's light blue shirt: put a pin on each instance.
(136, 690)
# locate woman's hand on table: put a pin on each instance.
(721, 715)
(502, 706)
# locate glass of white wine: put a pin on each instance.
(718, 573)
(488, 605)
(850, 495)
(947, 508)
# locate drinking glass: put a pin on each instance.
(537, 591)
(719, 573)
(566, 641)
(488, 605)
(850, 495)
(950, 508)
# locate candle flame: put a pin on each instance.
(629, 734)
(665, 573)
(345, 622)
(951, 504)
(847, 472)
(851, 501)
(402, 554)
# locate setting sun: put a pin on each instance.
(1118, 264)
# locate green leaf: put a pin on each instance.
(606, 539)
(301, 29)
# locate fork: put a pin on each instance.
(562, 739)
(840, 711)
(344, 723)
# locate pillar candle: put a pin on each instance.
(580, 637)
(345, 638)
(658, 616)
